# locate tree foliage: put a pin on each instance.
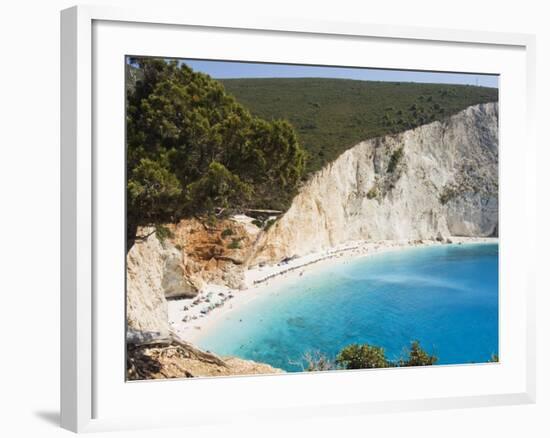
(218, 187)
(153, 192)
(192, 147)
(355, 357)
(417, 357)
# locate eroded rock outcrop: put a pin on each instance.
(155, 272)
(437, 180)
(170, 357)
(214, 253)
(193, 255)
(146, 308)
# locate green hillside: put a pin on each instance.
(331, 115)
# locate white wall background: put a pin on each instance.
(29, 216)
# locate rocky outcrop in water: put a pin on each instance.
(435, 181)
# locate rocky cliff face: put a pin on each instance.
(154, 272)
(157, 271)
(194, 254)
(146, 309)
(214, 253)
(437, 180)
(168, 358)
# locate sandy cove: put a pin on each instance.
(192, 318)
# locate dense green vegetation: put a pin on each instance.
(331, 115)
(192, 149)
(355, 357)
(363, 356)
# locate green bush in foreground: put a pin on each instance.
(417, 357)
(356, 357)
(362, 356)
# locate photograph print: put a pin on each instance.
(298, 218)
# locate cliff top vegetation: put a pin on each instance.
(332, 115)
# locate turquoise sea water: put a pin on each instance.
(444, 296)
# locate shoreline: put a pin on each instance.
(192, 318)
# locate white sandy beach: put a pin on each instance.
(192, 318)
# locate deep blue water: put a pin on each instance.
(444, 296)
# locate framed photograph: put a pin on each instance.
(283, 218)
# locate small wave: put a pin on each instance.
(411, 280)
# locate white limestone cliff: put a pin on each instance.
(437, 180)
(154, 273)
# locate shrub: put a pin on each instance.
(227, 232)
(395, 159)
(387, 120)
(417, 357)
(317, 361)
(235, 244)
(372, 193)
(447, 194)
(162, 232)
(211, 220)
(258, 223)
(269, 224)
(355, 357)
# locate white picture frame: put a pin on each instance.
(88, 394)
